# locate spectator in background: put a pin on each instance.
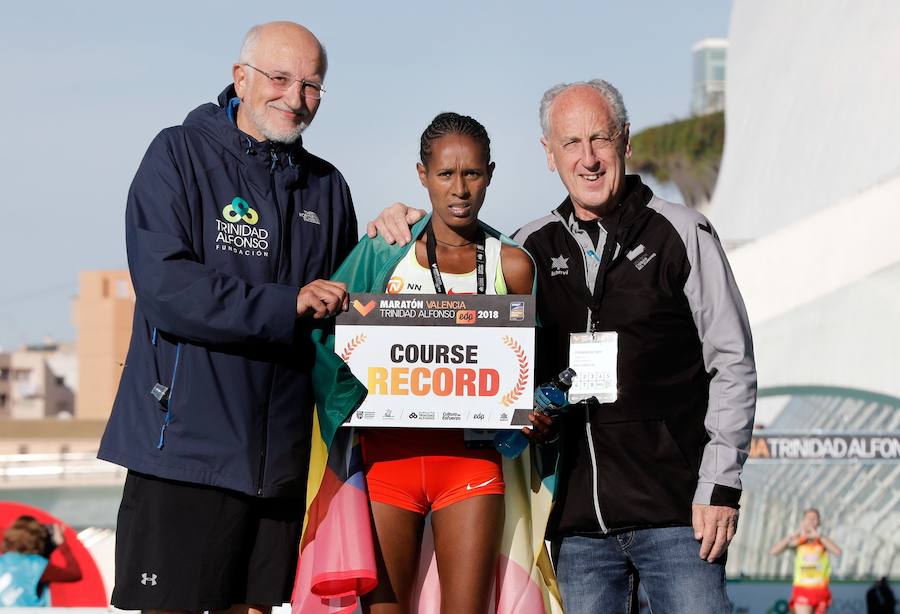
(25, 567)
(880, 598)
(812, 565)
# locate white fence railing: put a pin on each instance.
(53, 468)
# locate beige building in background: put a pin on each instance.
(102, 314)
(39, 381)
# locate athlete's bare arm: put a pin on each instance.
(791, 541)
(518, 269)
(832, 547)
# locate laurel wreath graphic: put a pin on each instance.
(510, 397)
(351, 346)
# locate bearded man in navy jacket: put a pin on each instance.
(232, 230)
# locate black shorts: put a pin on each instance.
(182, 546)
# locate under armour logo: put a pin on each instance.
(148, 579)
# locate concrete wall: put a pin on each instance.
(823, 295)
(811, 115)
(811, 175)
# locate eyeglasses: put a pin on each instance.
(282, 83)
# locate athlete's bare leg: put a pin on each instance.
(399, 538)
(803, 609)
(466, 540)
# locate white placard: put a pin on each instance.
(594, 357)
(475, 374)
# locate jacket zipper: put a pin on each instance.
(261, 475)
(168, 418)
(274, 160)
(595, 474)
(265, 443)
(596, 489)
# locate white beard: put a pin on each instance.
(287, 137)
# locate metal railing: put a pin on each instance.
(61, 467)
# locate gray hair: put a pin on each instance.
(610, 94)
(248, 47)
(251, 41)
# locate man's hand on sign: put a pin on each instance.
(542, 428)
(393, 223)
(322, 298)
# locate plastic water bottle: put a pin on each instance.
(549, 399)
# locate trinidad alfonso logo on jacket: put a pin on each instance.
(237, 231)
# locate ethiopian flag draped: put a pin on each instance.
(337, 560)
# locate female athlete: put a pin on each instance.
(411, 472)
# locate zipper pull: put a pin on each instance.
(162, 434)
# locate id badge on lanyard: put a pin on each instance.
(594, 357)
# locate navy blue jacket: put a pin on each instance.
(221, 232)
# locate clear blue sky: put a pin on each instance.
(88, 84)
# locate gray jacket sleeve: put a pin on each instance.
(721, 319)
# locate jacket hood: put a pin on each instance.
(218, 122)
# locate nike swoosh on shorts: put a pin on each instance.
(470, 487)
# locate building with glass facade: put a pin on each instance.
(708, 95)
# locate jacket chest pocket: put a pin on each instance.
(309, 253)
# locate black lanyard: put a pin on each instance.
(606, 261)
(480, 262)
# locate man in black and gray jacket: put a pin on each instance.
(645, 478)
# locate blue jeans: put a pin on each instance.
(601, 574)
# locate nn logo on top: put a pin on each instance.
(240, 232)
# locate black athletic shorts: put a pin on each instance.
(182, 546)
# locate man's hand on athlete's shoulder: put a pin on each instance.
(393, 223)
(322, 298)
(714, 527)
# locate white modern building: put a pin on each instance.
(809, 191)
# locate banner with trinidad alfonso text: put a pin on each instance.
(439, 361)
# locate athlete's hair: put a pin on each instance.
(606, 89)
(26, 535)
(453, 123)
(814, 511)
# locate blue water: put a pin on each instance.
(77, 506)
